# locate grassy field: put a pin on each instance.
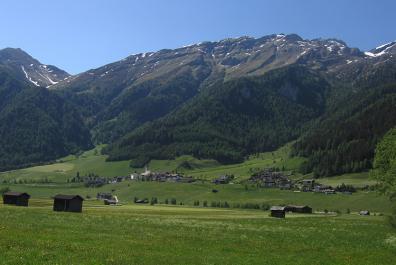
(356, 179)
(93, 162)
(208, 169)
(89, 162)
(178, 235)
(164, 234)
(188, 193)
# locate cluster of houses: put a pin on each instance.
(310, 185)
(225, 179)
(268, 178)
(147, 175)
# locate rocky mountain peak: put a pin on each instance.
(26, 67)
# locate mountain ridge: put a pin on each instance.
(145, 101)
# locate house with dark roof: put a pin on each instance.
(278, 211)
(298, 208)
(16, 198)
(68, 203)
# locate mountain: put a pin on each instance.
(344, 140)
(26, 67)
(230, 120)
(385, 49)
(225, 100)
(36, 125)
(190, 100)
(119, 97)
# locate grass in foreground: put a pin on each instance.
(175, 235)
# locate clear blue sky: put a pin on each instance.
(77, 35)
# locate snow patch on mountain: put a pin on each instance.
(28, 77)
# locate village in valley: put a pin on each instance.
(265, 179)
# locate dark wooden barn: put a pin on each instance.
(278, 211)
(298, 209)
(68, 203)
(16, 198)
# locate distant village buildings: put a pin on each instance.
(269, 178)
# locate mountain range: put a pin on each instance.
(222, 100)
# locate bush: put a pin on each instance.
(345, 188)
(153, 201)
(265, 207)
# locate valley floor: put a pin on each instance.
(188, 193)
(164, 234)
(179, 235)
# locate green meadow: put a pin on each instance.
(184, 234)
(180, 235)
(187, 193)
(93, 161)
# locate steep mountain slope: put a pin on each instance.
(186, 101)
(119, 97)
(221, 100)
(23, 66)
(230, 120)
(344, 141)
(36, 125)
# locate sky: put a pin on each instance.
(78, 35)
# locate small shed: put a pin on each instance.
(278, 211)
(298, 208)
(16, 198)
(68, 203)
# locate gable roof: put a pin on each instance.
(298, 206)
(277, 208)
(67, 197)
(16, 194)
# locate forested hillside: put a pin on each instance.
(385, 163)
(222, 100)
(344, 141)
(36, 125)
(231, 120)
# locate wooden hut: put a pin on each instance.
(16, 198)
(298, 209)
(278, 211)
(68, 203)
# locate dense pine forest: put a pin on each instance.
(231, 120)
